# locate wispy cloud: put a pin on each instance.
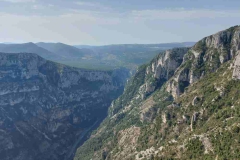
(37, 6)
(71, 27)
(86, 4)
(51, 5)
(19, 1)
(42, 7)
(181, 13)
(91, 23)
(92, 5)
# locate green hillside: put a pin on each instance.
(184, 104)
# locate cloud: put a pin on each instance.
(37, 6)
(19, 1)
(86, 4)
(42, 7)
(68, 27)
(92, 5)
(51, 5)
(90, 26)
(181, 14)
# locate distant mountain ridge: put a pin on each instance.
(94, 57)
(27, 48)
(131, 55)
(164, 45)
(64, 50)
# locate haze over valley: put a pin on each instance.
(94, 57)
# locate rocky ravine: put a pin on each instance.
(127, 108)
(45, 107)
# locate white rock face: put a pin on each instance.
(167, 63)
(236, 69)
(193, 119)
(206, 56)
(195, 100)
(162, 68)
(164, 118)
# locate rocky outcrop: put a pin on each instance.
(206, 56)
(149, 78)
(195, 100)
(193, 120)
(236, 71)
(161, 69)
(46, 107)
(165, 64)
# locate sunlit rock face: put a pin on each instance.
(45, 107)
(161, 68)
(206, 56)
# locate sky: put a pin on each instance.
(102, 22)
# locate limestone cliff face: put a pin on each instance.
(236, 50)
(236, 71)
(205, 57)
(150, 77)
(45, 107)
(161, 69)
(164, 65)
